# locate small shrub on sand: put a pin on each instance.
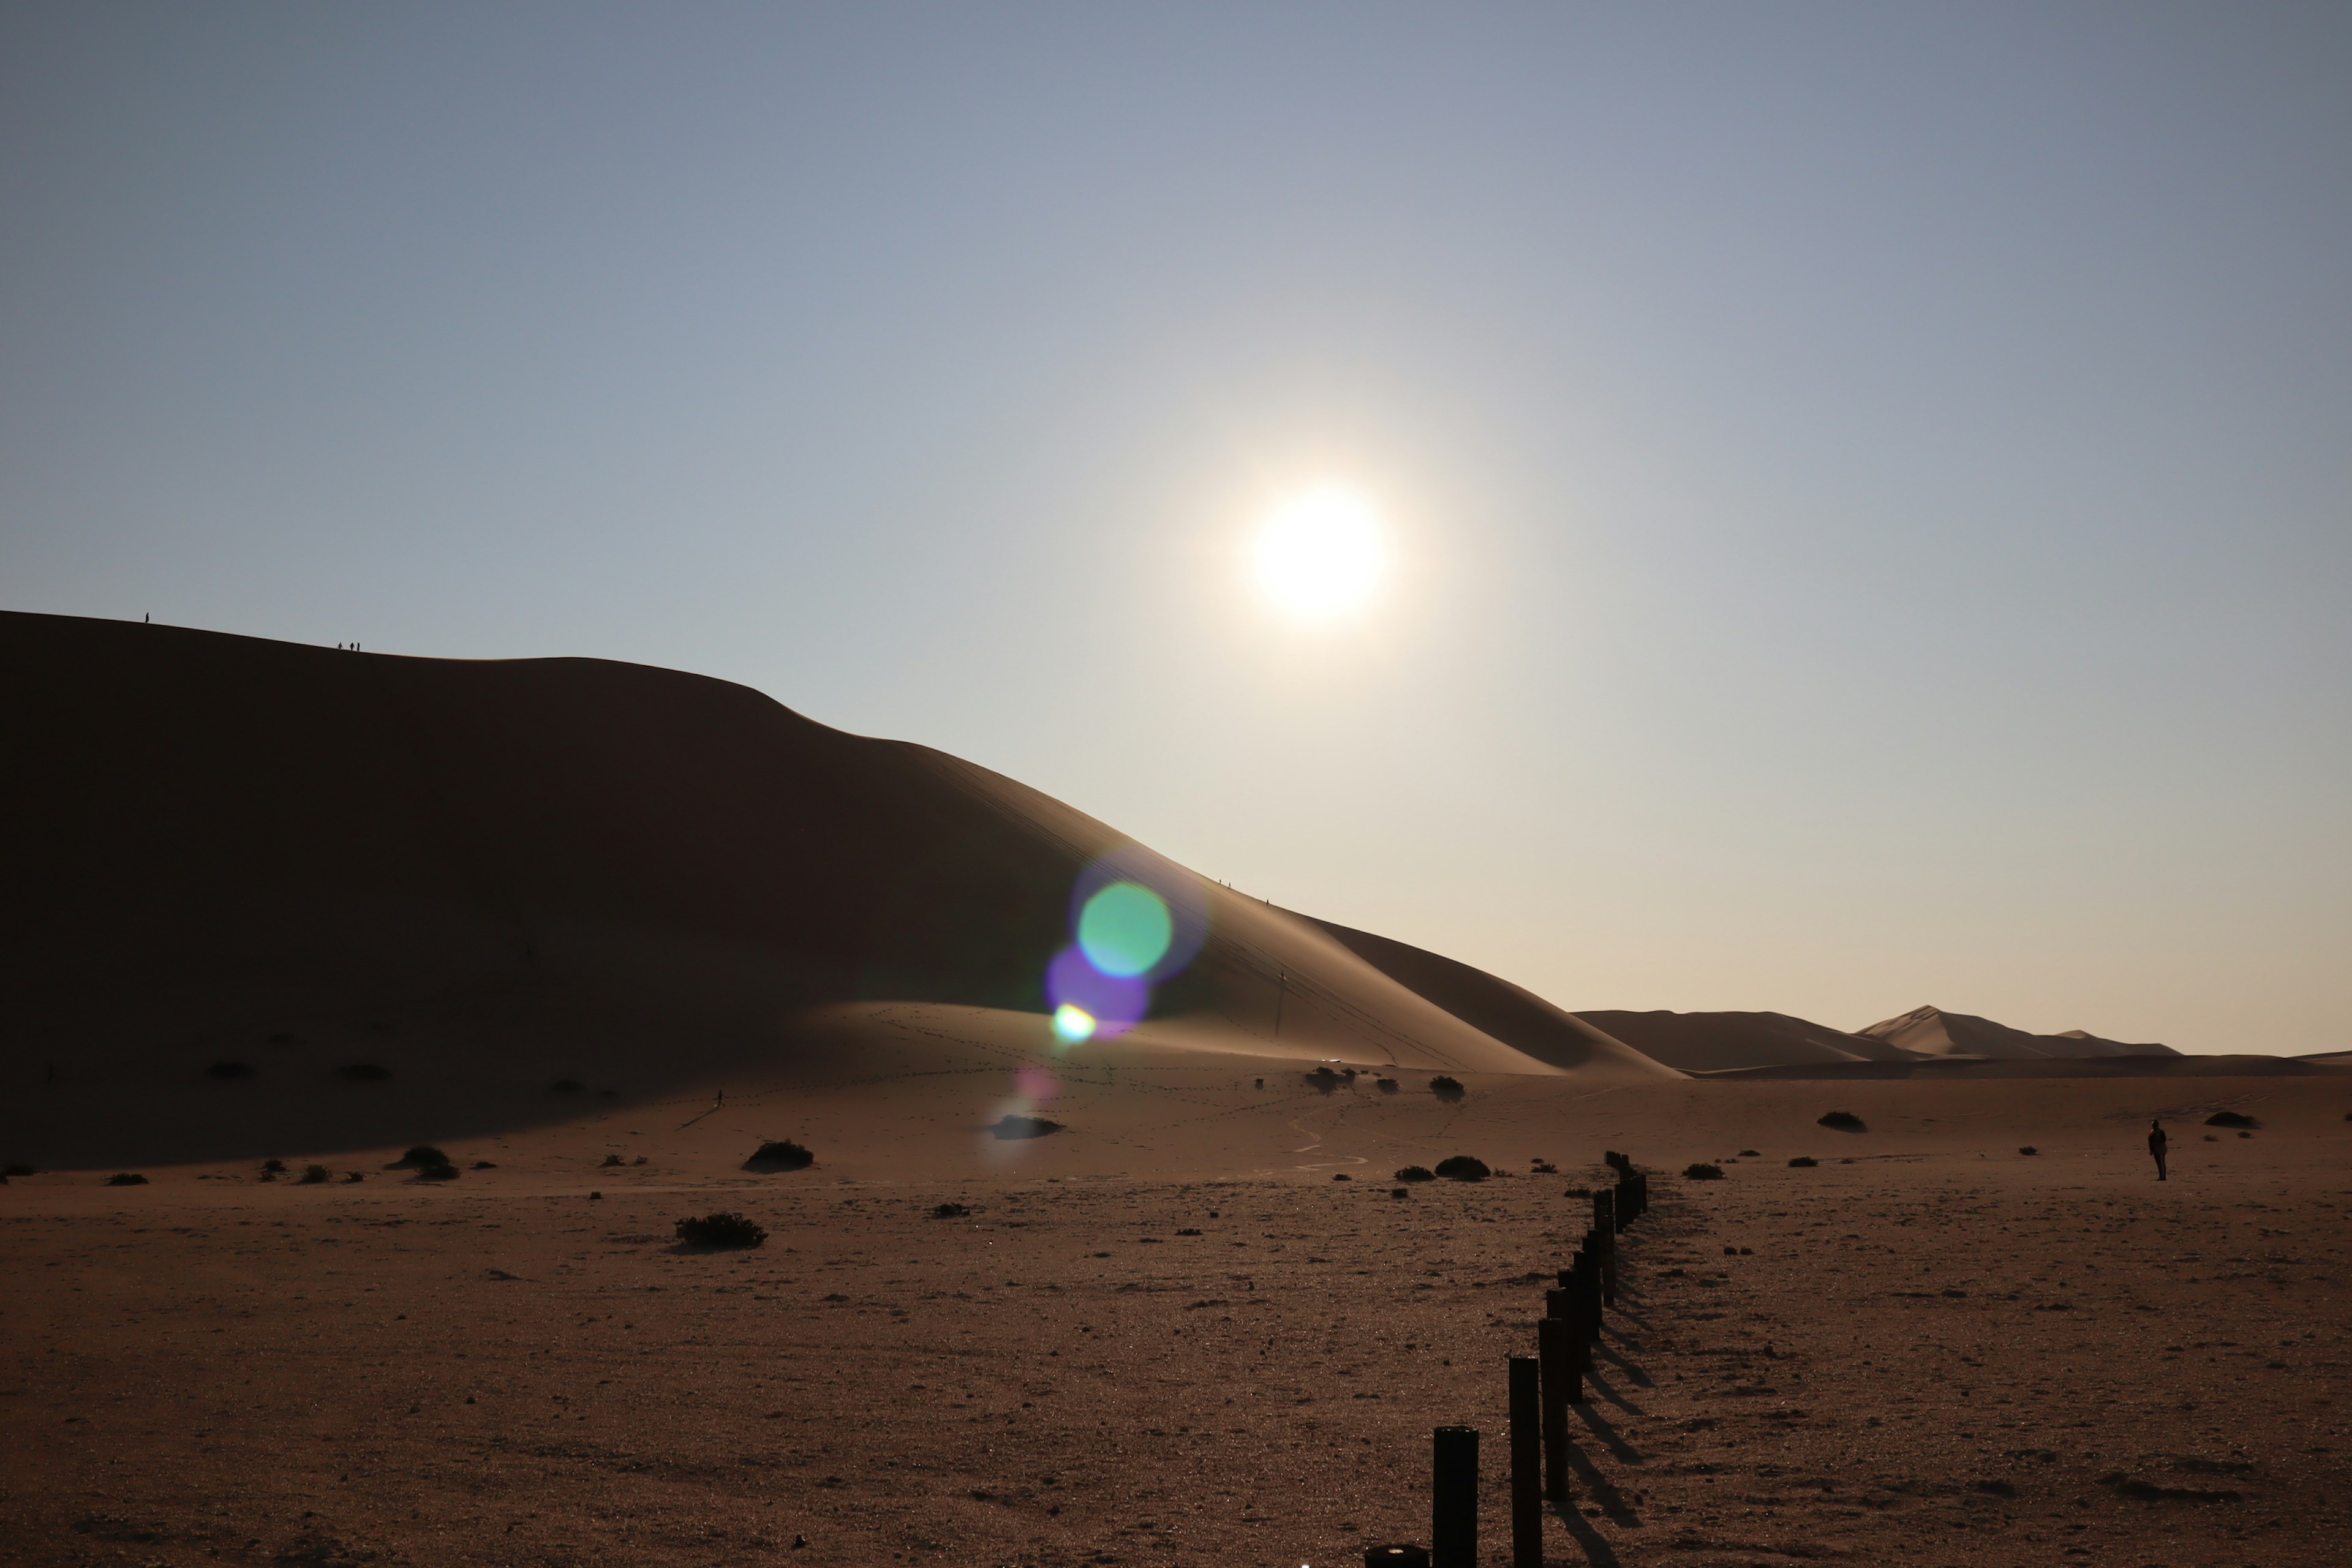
(2028, 1149)
(1701, 1172)
(2230, 1119)
(613, 1160)
(1543, 1168)
(273, 1166)
(1576, 1193)
(948, 1211)
(1322, 1080)
(313, 1174)
(1416, 1173)
(420, 1154)
(1011, 1129)
(1389, 1085)
(1463, 1168)
(1844, 1121)
(1750, 1154)
(364, 1072)
(780, 1155)
(567, 1086)
(126, 1179)
(484, 1165)
(1341, 1176)
(1446, 1087)
(350, 1176)
(1803, 1163)
(228, 1072)
(441, 1171)
(722, 1229)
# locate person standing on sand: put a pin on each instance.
(2156, 1141)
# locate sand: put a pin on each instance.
(1942, 1353)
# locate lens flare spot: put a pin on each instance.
(1073, 1024)
(1126, 929)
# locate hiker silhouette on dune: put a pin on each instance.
(2156, 1141)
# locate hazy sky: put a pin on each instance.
(1871, 486)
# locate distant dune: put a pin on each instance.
(1718, 1042)
(1932, 1032)
(225, 848)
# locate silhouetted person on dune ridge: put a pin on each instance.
(2156, 1141)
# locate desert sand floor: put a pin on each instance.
(1930, 1349)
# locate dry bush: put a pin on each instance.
(723, 1228)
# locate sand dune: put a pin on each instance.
(485, 875)
(1716, 1042)
(1932, 1032)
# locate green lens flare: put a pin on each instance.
(1125, 928)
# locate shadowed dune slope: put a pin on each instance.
(1931, 1031)
(1511, 1014)
(1719, 1042)
(224, 847)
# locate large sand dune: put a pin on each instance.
(485, 875)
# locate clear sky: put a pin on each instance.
(1867, 489)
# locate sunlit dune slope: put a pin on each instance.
(224, 848)
(1931, 1031)
(1719, 1042)
(1508, 1013)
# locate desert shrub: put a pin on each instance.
(638, 1161)
(1322, 1080)
(613, 1160)
(1416, 1173)
(1749, 1154)
(957, 1211)
(484, 1165)
(566, 1086)
(350, 1176)
(2230, 1119)
(783, 1155)
(441, 1171)
(1463, 1168)
(1703, 1171)
(126, 1179)
(722, 1229)
(363, 1072)
(273, 1166)
(1803, 1163)
(1341, 1176)
(1446, 1087)
(1846, 1119)
(1389, 1085)
(422, 1154)
(1009, 1128)
(313, 1174)
(2028, 1149)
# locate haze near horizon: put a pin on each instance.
(1850, 508)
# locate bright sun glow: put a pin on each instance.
(1321, 553)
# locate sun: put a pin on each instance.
(1320, 554)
